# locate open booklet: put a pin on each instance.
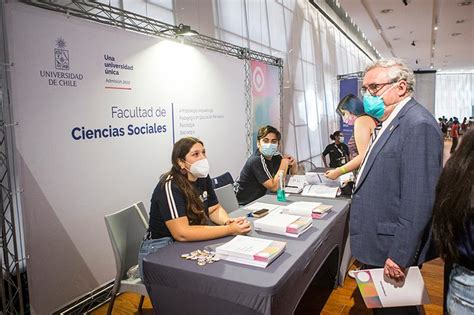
(297, 183)
(380, 292)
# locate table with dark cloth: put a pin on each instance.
(179, 286)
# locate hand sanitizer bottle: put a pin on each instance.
(281, 196)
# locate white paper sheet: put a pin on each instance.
(320, 191)
(314, 178)
(261, 205)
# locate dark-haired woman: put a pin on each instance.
(263, 169)
(338, 151)
(463, 126)
(184, 202)
(351, 109)
(453, 225)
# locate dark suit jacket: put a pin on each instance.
(392, 204)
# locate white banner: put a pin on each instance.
(98, 109)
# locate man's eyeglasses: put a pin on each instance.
(373, 88)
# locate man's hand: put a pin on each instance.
(394, 271)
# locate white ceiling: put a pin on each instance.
(392, 33)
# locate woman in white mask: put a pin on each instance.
(184, 202)
(263, 169)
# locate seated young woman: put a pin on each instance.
(184, 203)
(262, 170)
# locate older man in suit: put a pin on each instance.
(394, 193)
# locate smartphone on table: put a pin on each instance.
(260, 213)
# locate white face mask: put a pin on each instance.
(200, 168)
(341, 139)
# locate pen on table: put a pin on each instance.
(319, 178)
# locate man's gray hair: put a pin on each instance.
(398, 70)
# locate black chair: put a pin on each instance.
(222, 180)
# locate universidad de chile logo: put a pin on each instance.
(62, 76)
(61, 55)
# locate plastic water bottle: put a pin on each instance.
(281, 196)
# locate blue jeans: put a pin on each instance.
(151, 246)
(460, 299)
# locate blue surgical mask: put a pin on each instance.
(374, 105)
(341, 139)
(269, 149)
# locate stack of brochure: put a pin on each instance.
(250, 250)
(321, 211)
(303, 208)
(295, 184)
(284, 224)
(316, 210)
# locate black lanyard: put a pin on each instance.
(340, 151)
